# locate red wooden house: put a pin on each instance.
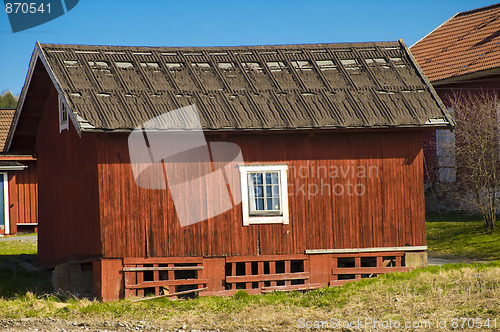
(18, 188)
(460, 56)
(331, 178)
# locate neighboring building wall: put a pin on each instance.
(68, 209)
(142, 223)
(23, 198)
(441, 168)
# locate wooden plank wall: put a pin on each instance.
(23, 196)
(142, 223)
(68, 209)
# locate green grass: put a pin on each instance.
(461, 235)
(18, 247)
(433, 293)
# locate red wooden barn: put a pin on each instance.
(331, 176)
(18, 187)
(460, 56)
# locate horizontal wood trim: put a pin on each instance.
(162, 268)
(266, 258)
(364, 270)
(161, 260)
(27, 224)
(229, 292)
(362, 250)
(179, 282)
(370, 254)
(171, 294)
(267, 277)
(291, 288)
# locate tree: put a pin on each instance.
(477, 152)
(8, 100)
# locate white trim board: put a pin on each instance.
(361, 250)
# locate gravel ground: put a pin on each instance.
(19, 238)
(50, 324)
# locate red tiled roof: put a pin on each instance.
(466, 43)
(6, 116)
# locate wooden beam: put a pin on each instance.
(172, 294)
(268, 277)
(358, 250)
(162, 260)
(163, 268)
(178, 282)
(369, 270)
(265, 258)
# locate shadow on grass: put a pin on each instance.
(15, 280)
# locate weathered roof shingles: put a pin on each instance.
(358, 85)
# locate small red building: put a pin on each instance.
(329, 187)
(18, 187)
(460, 56)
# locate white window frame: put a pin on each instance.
(63, 125)
(264, 219)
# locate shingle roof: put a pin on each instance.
(351, 85)
(6, 116)
(466, 43)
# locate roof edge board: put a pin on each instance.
(466, 76)
(60, 92)
(22, 97)
(427, 125)
(37, 54)
(433, 92)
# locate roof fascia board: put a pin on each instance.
(433, 92)
(37, 54)
(57, 85)
(468, 76)
(440, 125)
(22, 97)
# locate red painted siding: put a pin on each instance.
(23, 196)
(68, 209)
(139, 223)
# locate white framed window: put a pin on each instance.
(63, 116)
(264, 194)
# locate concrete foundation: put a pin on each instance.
(417, 259)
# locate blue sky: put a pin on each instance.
(223, 23)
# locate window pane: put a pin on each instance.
(276, 191)
(276, 203)
(255, 178)
(274, 178)
(269, 191)
(258, 191)
(260, 204)
(269, 203)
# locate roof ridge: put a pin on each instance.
(472, 11)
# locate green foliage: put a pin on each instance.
(7, 100)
